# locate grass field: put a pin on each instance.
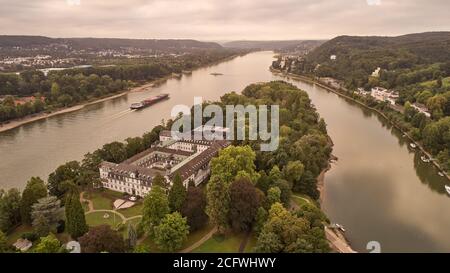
(197, 235)
(103, 199)
(221, 244)
(133, 211)
(96, 218)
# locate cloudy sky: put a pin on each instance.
(222, 19)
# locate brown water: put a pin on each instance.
(378, 189)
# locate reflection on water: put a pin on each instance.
(378, 189)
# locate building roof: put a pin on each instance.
(156, 149)
(203, 158)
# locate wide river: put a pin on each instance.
(378, 189)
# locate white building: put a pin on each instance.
(333, 57)
(421, 109)
(188, 158)
(383, 94)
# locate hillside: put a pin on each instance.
(274, 45)
(400, 51)
(103, 43)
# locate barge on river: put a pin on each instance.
(149, 101)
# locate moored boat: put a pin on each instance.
(447, 188)
(412, 145)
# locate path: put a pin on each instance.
(199, 242)
(92, 210)
(338, 243)
(82, 200)
(244, 242)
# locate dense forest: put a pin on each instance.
(249, 191)
(71, 86)
(416, 66)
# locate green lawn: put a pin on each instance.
(103, 199)
(133, 211)
(96, 219)
(251, 243)
(197, 235)
(222, 244)
(151, 244)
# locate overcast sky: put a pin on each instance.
(222, 19)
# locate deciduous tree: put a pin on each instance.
(171, 232)
(34, 190)
(177, 194)
(102, 239)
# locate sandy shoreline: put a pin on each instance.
(19, 122)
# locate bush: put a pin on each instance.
(140, 230)
(30, 236)
(61, 226)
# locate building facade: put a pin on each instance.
(168, 157)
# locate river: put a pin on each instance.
(378, 189)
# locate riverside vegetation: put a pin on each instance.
(249, 192)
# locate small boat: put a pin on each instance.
(441, 174)
(447, 188)
(425, 159)
(340, 227)
(216, 74)
(412, 145)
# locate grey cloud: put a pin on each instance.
(222, 19)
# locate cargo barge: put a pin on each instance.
(149, 101)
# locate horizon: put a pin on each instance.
(220, 41)
(202, 20)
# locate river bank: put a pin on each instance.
(380, 113)
(5, 126)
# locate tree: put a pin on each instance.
(46, 214)
(41, 226)
(171, 232)
(261, 218)
(194, 208)
(264, 182)
(245, 200)
(273, 196)
(4, 246)
(102, 239)
(177, 194)
(58, 180)
(34, 190)
(286, 192)
(132, 236)
(232, 161)
(134, 146)
(75, 220)
(49, 244)
(159, 181)
(218, 202)
(293, 172)
(115, 152)
(156, 206)
(9, 209)
(291, 233)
